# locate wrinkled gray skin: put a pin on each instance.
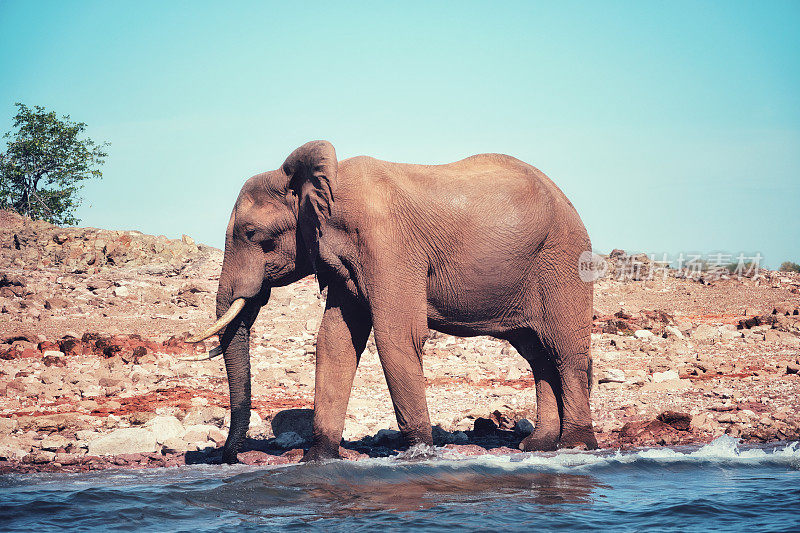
(484, 246)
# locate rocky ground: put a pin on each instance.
(92, 376)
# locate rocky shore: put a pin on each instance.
(92, 374)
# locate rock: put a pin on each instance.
(86, 435)
(54, 442)
(459, 437)
(56, 303)
(705, 333)
(12, 451)
(513, 373)
(672, 385)
(39, 457)
(680, 421)
(484, 426)
(642, 334)
(441, 436)
(523, 427)
(175, 445)
(612, 375)
(126, 440)
(792, 368)
(8, 425)
(659, 377)
(198, 433)
(121, 291)
(702, 422)
(391, 438)
(289, 440)
(165, 427)
(296, 420)
(672, 332)
(257, 427)
(187, 240)
(210, 414)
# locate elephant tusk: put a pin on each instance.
(223, 321)
(214, 352)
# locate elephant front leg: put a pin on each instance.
(400, 332)
(341, 339)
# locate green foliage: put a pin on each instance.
(789, 266)
(44, 164)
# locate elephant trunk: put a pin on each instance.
(235, 345)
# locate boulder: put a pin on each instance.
(705, 333)
(612, 375)
(659, 377)
(289, 440)
(391, 438)
(672, 332)
(126, 440)
(523, 427)
(53, 443)
(257, 427)
(296, 420)
(13, 451)
(165, 427)
(199, 433)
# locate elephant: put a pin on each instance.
(487, 245)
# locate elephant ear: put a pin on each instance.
(311, 170)
(312, 175)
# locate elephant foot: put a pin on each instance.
(229, 457)
(579, 437)
(539, 442)
(320, 453)
(419, 435)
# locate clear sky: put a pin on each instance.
(672, 126)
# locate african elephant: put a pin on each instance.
(484, 246)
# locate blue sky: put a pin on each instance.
(672, 126)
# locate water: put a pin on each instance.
(719, 487)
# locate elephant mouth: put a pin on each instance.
(235, 308)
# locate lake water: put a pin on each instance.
(719, 487)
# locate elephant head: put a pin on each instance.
(271, 240)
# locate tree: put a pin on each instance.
(789, 266)
(44, 164)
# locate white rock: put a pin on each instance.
(13, 452)
(667, 375)
(52, 443)
(613, 375)
(121, 292)
(176, 445)
(289, 440)
(86, 434)
(53, 353)
(165, 427)
(257, 427)
(642, 333)
(126, 440)
(513, 374)
(705, 332)
(198, 432)
(673, 332)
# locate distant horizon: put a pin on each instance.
(670, 127)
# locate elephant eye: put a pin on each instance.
(251, 235)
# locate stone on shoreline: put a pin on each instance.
(125, 440)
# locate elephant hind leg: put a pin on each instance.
(547, 431)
